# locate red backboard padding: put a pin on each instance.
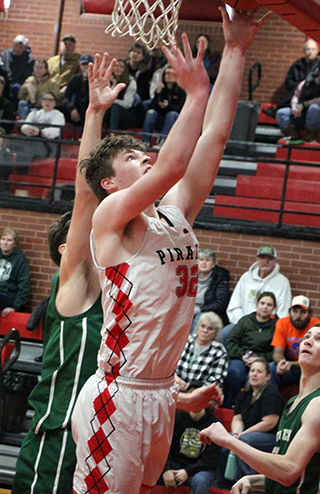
(204, 10)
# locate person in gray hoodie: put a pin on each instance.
(14, 274)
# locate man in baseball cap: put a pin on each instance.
(263, 276)
(76, 97)
(65, 65)
(289, 332)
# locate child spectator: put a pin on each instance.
(34, 87)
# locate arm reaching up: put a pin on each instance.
(191, 191)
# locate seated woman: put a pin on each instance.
(165, 108)
(47, 116)
(14, 274)
(120, 114)
(249, 338)
(203, 359)
(32, 90)
(256, 416)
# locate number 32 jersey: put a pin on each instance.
(148, 301)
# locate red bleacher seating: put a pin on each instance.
(243, 213)
(253, 186)
(263, 118)
(40, 173)
(159, 489)
(300, 153)
(273, 170)
(226, 416)
(18, 320)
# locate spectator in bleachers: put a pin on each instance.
(18, 62)
(6, 109)
(76, 97)
(45, 148)
(63, 66)
(189, 461)
(298, 71)
(256, 416)
(164, 109)
(211, 59)
(290, 330)
(304, 112)
(250, 338)
(14, 274)
(34, 87)
(213, 292)
(204, 358)
(120, 115)
(4, 74)
(138, 67)
(263, 275)
(6, 162)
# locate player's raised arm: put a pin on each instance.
(190, 193)
(101, 97)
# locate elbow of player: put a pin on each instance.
(288, 476)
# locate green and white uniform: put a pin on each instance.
(70, 357)
(290, 423)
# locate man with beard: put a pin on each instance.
(290, 330)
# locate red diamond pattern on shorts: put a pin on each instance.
(104, 406)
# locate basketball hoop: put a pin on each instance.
(150, 21)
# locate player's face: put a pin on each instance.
(206, 332)
(129, 166)
(258, 375)
(7, 244)
(266, 265)
(265, 307)
(309, 350)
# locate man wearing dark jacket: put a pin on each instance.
(18, 63)
(189, 461)
(213, 287)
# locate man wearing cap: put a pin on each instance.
(62, 67)
(290, 330)
(76, 97)
(264, 275)
(18, 63)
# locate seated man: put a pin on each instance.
(188, 462)
(62, 67)
(290, 330)
(18, 62)
(264, 275)
(304, 112)
(298, 71)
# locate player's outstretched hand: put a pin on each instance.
(243, 486)
(215, 433)
(206, 396)
(99, 74)
(188, 72)
(240, 30)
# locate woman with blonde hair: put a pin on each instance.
(204, 358)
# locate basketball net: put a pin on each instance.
(150, 21)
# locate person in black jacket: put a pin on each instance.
(165, 107)
(249, 338)
(213, 288)
(189, 462)
(76, 97)
(297, 72)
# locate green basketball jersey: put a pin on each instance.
(289, 425)
(69, 359)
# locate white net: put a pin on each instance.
(150, 21)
